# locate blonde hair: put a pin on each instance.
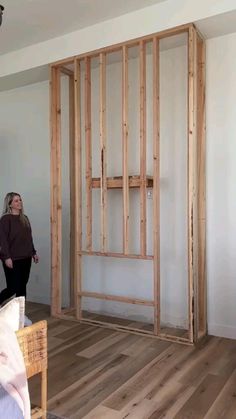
(7, 207)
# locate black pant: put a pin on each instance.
(16, 279)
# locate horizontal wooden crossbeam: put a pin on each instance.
(117, 182)
(116, 255)
(116, 298)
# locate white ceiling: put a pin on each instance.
(26, 22)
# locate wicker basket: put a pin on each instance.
(33, 343)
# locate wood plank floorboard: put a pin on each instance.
(97, 373)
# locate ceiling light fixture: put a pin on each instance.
(1, 13)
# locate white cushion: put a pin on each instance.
(13, 313)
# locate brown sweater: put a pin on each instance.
(15, 238)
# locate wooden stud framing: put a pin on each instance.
(88, 148)
(195, 187)
(156, 187)
(125, 150)
(143, 147)
(56, 216)
(102, 114)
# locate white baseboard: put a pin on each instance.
(222, 330)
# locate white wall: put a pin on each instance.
(25, 168)
(221, 190)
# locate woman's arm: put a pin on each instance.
(35, 256)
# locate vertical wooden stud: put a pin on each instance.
(56, 215)
(102, 114)
(72, 187)
(44, 393)
(143, 221)
(88, 148)
(125, 172)
(192, 185)
(78, 188)
(201, 176)
(156, 185)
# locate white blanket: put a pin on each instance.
(12, 369)
(9, 409)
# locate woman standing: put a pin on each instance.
(16, 247)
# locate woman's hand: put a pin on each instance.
(9, 263)
(36, 258)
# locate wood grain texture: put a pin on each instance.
(99, 373)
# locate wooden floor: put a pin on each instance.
(99, 373)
